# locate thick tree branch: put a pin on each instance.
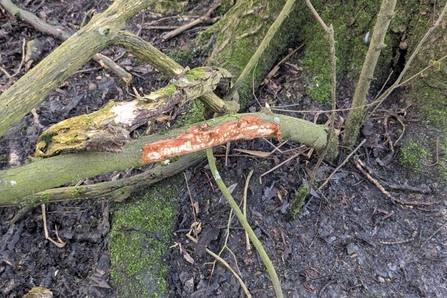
(109, 128)
(118, 190)
(47, 173)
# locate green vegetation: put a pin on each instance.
(140, 238)
(185, 56)
(351, 23)
(196, 114)
(413, 156)
(295, 208)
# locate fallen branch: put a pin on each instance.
(42, 174)
(108, 129)
(117, 190)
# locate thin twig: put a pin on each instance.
(59, 244)
(341, 165)
(226, 265)
(360, 165)
(437, 231)
(190, 197)
(407, 240)
(279, 165)
(244, 200)
(206, 19)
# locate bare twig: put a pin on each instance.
(437, 231)
(342, 164)
(59, 244)
(20, 65)
(360, 165)
(407, 240)
(226, 265)
(279, 165)
(206, 19)
(247, 182)
(190, 198)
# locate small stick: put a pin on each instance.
(206, 19)
(226, 265)
(244, 208)
(342, 164)
(360, 165)
(400, 241)
(274, 168)
(59, 244)
(190, 198)
(436, 232)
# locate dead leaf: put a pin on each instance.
(98, 280)
(187, 256)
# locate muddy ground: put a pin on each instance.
(349, 240)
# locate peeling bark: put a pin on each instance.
(202, 137)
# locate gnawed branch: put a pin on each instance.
(47, 173)
(109, 128)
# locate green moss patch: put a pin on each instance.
(140, 238)
(414, 156)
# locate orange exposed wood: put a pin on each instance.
(202, 137)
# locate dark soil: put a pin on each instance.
(349, 239)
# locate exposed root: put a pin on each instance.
(361, 166)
